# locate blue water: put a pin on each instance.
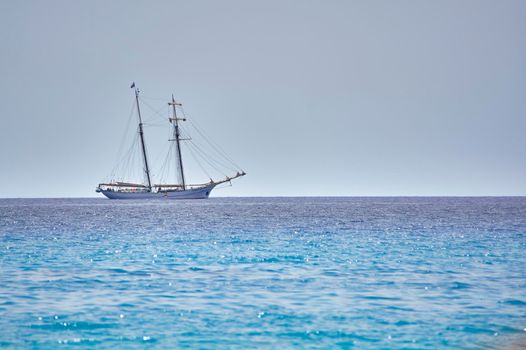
(271, 273)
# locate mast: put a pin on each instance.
(177, 135)
(143, 147)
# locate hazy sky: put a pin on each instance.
(310, 97)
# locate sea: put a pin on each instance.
(264, 273)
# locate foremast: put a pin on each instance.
(177, 138)
(143, 147)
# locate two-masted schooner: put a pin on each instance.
(148, 189)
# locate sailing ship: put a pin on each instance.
(115, 189)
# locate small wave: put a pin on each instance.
(81, 325)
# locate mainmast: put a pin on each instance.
(177, 139)
(143, 147)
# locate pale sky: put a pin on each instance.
(336, 98)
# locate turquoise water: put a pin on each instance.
(276, 273)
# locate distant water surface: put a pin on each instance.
(270, 273)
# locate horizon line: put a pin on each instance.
(299, 196)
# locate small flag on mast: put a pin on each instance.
(132, 85)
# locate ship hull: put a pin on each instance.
(194, 193)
